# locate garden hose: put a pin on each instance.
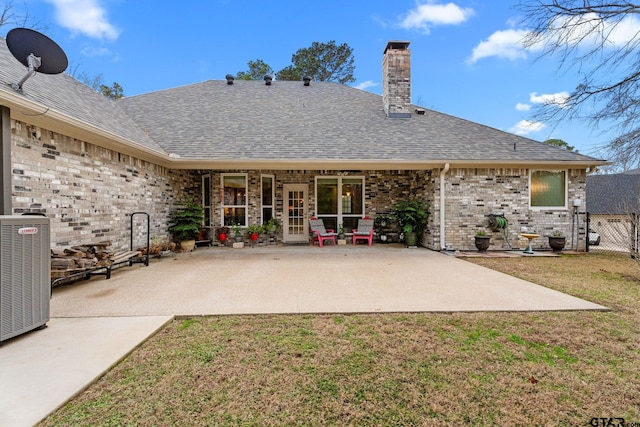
(498, 222)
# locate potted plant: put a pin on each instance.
(341, 232)
(411, 216)
(270, 227)
(222, 233)
(185, 223)
(253, 231)
(237, 232)
(557, 241)
(482, 241)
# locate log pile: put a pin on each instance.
(85, 258)
(157, 247)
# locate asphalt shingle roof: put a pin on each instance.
(325, 121)
(287, 121)
(65, 94)
(615, 194)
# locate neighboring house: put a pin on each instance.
(288, 150)
(613, 203)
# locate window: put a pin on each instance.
(548, 189)
(206, 199)
(340, 201)
(267, 197)
(234, 199)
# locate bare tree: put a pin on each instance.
(8, 16)
(600, 40)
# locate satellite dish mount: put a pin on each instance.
(37, 52)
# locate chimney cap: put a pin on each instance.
(306, 80)
(229, 78)
(267, 79)
(397, 45)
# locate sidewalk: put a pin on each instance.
(96, 323)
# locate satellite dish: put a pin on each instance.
(37, 52)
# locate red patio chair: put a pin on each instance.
(363, 232)
(320, 234)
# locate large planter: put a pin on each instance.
(557, 243)
(482, 243)
(411, 239)
(188, 245)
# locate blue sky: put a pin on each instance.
(466, 57)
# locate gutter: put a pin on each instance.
(443, 241)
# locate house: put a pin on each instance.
(613, 203)
(252, 150)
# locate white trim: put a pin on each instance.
(210, 206)
(566, 190)
(443, 199)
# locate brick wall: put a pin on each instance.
(472, 194)
(90, 192)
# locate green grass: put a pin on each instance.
(404, 369)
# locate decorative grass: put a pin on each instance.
(404, 369)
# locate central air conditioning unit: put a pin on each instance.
(25, 273)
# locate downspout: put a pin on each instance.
(5, 161)
(443, 243)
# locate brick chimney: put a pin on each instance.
(396, 80)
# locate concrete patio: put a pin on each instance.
(95, 323)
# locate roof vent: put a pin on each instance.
(420, 111)
(230, 79)
(306, 80)
(267, 80)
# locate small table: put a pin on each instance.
(530, 237)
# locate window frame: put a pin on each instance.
(246, 198)
(272, 206)
(565, 195)
(340, 214)
(206, 193)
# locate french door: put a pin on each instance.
(295, 228)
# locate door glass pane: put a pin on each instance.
(296, 213)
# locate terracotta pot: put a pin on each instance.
(188, 245)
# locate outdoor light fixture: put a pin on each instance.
(230, 79)
(307, 80)
(267, 80)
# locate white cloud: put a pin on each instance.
(426, 15)
(84, 16)
(525, 127)
(523, 107)
(559, 99)
(91, 51)
(503, 44)
(365, 85)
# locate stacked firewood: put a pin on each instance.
(77, 259)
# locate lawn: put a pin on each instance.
(537, 368)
